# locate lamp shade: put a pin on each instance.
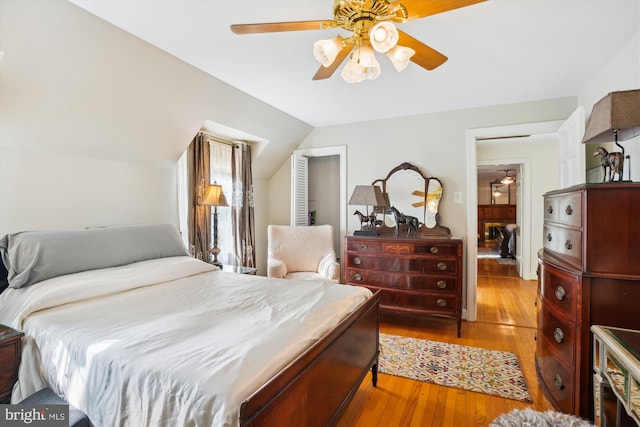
(383, 36)
(325, 51)
(617, 112)
(215, 196)
(400, 57)
(367, 195)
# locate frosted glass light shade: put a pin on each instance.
(369, 63)
(400, 56)
(352, 72)
(325, 51)
(383, 36)
(362, 65)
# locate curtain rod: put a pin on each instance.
(220, 139)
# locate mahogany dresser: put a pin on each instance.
(589, 273)
(416, 276)
(10, 354)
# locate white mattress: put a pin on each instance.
(166, 342)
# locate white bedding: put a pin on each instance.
(166, 342)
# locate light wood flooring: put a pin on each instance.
(506, 322)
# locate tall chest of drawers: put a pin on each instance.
(419, 276)
(589, 273)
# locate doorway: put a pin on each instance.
(337, 157)
(499, 213)
(530, 216)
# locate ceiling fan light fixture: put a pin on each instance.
(326, 51)
(507, 179)
(383, 36)
(400, 57)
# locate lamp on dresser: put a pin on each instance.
(616, 117)
(367, 195)
(215, 197)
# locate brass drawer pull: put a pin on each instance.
(568, 245)
(441, 284)
(364, 246)
(442, 266)
(549, 237)
(568, 210)
(434, 249)
(560, 293)
(550, 210)
(557, 380)
(441, 302)
(558, 335)
(357, 277)
(357, 261)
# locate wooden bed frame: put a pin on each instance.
(315, 388)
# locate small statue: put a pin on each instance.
(614, 162)
(400, 218)
(367, 222)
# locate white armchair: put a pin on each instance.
(299, 252)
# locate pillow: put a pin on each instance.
(33, 256)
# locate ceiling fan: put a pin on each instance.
(371, 22)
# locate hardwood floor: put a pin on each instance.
(506, 322)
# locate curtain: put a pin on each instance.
(243, 206)
(199, 218)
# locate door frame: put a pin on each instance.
(472, 136)
(341, 152)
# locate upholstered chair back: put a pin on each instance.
(302, 249)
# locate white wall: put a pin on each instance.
(96, 119)
(622, 72)
(434, 142)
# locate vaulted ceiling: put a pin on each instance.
(500, 52)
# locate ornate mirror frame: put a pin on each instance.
(427, 195)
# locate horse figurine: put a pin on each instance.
(613, 162)
(411, 221)
(370, 220)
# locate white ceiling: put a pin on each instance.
(500, 52)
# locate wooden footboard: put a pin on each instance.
(314, 389)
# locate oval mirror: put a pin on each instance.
(411, 194)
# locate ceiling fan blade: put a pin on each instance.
(420, 8)
(425, 56)
(326, 72)
(274, 27)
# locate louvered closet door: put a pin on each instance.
(299, 190)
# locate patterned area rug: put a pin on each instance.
(469, 368)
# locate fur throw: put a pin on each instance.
(530, 418)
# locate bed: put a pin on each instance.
(150, 336)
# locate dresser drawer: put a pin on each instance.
(420, 248)
(565, 209)
(425, 265)
(415, 301)
(407, 281)
(556, 378)
(363, 245)
(559, 290)
(565, 242)
(558, 333)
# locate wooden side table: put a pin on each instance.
(616, 366)
(238, 269)
(10, 354)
